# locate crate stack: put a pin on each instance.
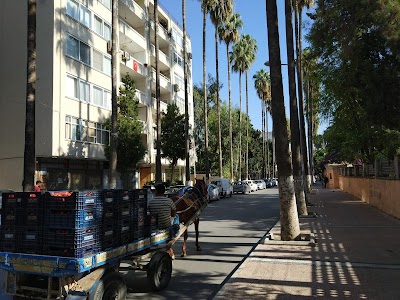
(21, 223)
(72, 223)
(108, 235)
(125, 218)
(139, 197)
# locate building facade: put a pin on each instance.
(73, 89)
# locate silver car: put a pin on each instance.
(241, 187)
(213, 192)
(260, 184)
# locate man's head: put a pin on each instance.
(38, 182)
(160, 189)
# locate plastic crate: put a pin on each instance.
(125, 211)
(138, 194)
(109, 214)
(124, 226)
(72, 200)
(81, 252)
(110, 198)
(125, 238)
(72, 219)
(69, 238)
(31, 241)
(30, 216)
(20, 199)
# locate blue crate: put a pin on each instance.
(81, 252)
(70, 238)
(72, 219)
(72, 200)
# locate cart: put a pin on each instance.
(93, 277)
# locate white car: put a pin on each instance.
(213, 192)
(252, 184)
(260, 184)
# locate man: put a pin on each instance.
(163, 207)
(37, 186)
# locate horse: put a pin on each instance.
(187, 205)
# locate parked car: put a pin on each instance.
(268, 182)
(213, 192)
(241, 187)
(225, 186)
(260, 184)
(274, 181)
(252, 184)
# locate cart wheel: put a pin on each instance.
(110, 287)
(159, 271)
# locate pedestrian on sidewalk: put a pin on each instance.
(326, 179)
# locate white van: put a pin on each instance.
(225, 186)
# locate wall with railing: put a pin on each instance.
(377, 184)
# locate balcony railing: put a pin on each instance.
(162, 56)
(133, 6)
(142, 97)
(131, 33)
(161, 30)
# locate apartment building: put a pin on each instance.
(73, 90)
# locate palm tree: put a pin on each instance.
(236, 58)
(29, 148)
(290, 228)
(187, 141)
(206, 6)
(114, 96)
(249, 58)
(298, 5)
(229, 33)
(158, 111)
(294, 119)
(263, 87)
(219, 13)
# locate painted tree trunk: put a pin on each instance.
(185, 78)
(290, 228)
(218, 103)
(230, 113)
(207, 166)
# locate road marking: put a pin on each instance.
(324, 263)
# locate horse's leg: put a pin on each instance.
(196, 227)
(171, 253)
(185, 237)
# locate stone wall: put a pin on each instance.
(383, 194)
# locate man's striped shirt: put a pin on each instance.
(162, 206)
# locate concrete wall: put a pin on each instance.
(383, 194)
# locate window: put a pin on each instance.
(106, 3)
(84, 51)
(97, 60)
(77, 129)
(72, 9)
(97, 96)
(178, 59)
(73, 47)
(107, 99)
(107, 32)
(84, 91)
(85, 16)
(98, 25)
(107, 65)
(71, 87)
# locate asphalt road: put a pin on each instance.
(229, 229)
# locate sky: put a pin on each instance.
(253, 15)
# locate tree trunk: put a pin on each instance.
(294, 119)
(247, 125)
(301, 99)
(187, 141)
(114, 97)
(310, 128)
(240, 125)
(268, 160)
(230, 112)
(263, 136)
(29, 148)
(207, 165)
(290, 228)
(218, 104)
(172, 171)
(158, 111)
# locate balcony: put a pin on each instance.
(132, 6)
(134, 68)
(162, 33)
(142, 97)
(163, 105)
(145, 129)
(130, 38)
(165, 82)
(162, 58)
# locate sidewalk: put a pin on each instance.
(356, 256)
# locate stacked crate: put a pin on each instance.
(125, 218)
(139, 197)
(72, 223)
(21, 223)
(109, 225)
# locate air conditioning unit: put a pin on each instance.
(109, 47)
(176, 88)
(189, 55)
(126, 56)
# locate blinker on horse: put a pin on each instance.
(187, 205)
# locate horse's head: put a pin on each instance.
(202, 186)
